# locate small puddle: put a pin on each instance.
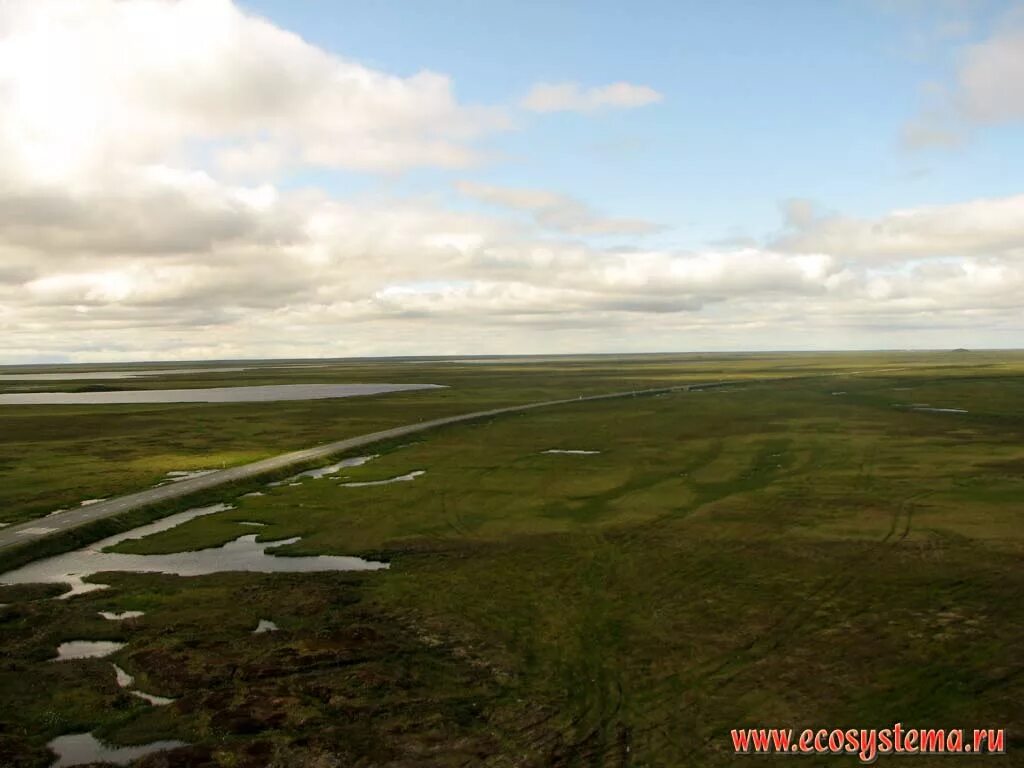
(265, 626)
(84, 749)
(254, 493)
(124, 680)
(572, 451)
(316, 474)
(319, 472)
(255, 525)
(90, 502)
(242, 554)
(86, 649)
(400, 479)
(938, 410)
(111, 616)
(156, 701)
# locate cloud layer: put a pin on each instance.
(554, 212)
(142, 216)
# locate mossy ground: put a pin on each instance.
(773, 554)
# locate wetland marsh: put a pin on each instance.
(763, 554)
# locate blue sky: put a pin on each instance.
(762, 101)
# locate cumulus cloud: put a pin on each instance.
(555, 212)
(988, 88)
(976, 227)
(572, 97)
(369, 277)
(991, 76)
(85, 82)
(150, 210)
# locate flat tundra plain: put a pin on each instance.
(603, 583)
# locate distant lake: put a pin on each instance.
(262, 394)
(134, 373)
(107, 375)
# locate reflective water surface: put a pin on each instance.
(333, 469)
(400, 479)
(156, 701)
(110, 375)
(84, 748)
(124, 680)
(242, 554)
(267, 393)
(111, 616)
(86, 649)
(320, 472)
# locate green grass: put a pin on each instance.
(54, 457)
(766, 555)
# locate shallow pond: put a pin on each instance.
(110, 616)
(268, 393)
(319, 472)
(84, 748)
(242, 554)
(265, 625)
(156, 701)
(400, 479)
(572, 451)
(86, 649)
(124, 680)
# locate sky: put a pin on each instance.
(207, 179)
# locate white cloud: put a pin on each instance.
(572, 97)
(988, 88)
(555, 212)
(140, 217)
(991, 76)
(370, 277)
(87, 83)
(987, 226)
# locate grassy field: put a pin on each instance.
(801, 553)
(54, 457)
